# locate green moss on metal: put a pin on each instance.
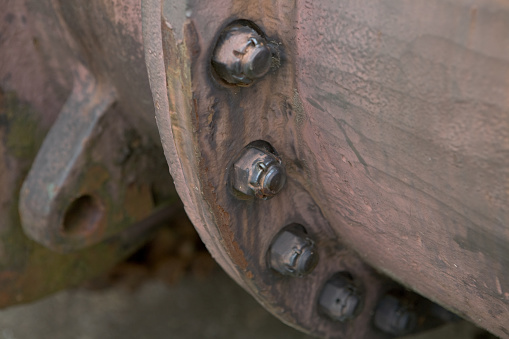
(28, 270)
(24, 136)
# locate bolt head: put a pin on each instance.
(241, 55)
(393, 316)
(256, 60)
(339, 299)
(258, 173)
(293, 252)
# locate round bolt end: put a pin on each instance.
(272, 182)
(241, 55)
(339, 299)
(292, 252)
(258, 173)
(307, 261)
(256, 62)
(392, 316)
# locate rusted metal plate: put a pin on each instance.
(409, 130)
(392, 121)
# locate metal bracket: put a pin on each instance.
(79, 190)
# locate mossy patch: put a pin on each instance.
(23, 134)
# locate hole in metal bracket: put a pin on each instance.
(83, 216)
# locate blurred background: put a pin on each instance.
(170, 288)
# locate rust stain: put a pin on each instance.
(138, 201)
(94, 179)
(473, 22)
(223, 224)
(197, 120)
(192, 39)
(178, 79)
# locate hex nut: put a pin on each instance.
(394, 316)
(293, 252)
(258, 173)
(339, 299)
(241, 55)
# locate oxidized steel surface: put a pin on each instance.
(392, 122)
(407, 121)
(37, 56)
(91, 166)
(391, 119)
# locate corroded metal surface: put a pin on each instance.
(390, 119)
(37, 57)
(392, 123)
(82, 184)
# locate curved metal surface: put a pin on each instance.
(392, 122)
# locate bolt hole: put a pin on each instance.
(83, 215)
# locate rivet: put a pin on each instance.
(293, 252)
(339, 299)
(258, 173)
(241, 55)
